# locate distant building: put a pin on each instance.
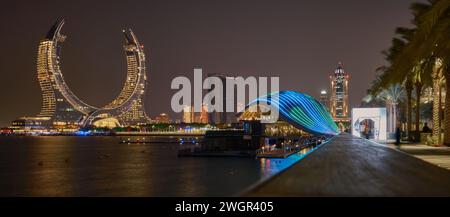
(30, 124)
(339, 105)
(223, 117)
(188, 114)
(6, 131)
(202, 117)
(162, 118)
(323, 99)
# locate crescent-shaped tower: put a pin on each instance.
(128, 108)
(61, 108)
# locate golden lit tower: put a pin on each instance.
(339, 95)
(59, 105)
(61, 108)
(188, 114)
(128, 108)
(204, 114)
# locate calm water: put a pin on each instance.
(100, 166)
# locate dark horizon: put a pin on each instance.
(299, 41)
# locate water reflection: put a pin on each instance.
(53, 171)
(101, 166)
(270, 167)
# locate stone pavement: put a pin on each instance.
(439, 156)
(351, 166)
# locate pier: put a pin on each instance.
(351, 166)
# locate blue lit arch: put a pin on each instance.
(302, 111)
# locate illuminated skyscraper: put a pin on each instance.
(128, 108)
(217, 117)
(188, 114)
(61, 108)
(339, 95)
(222, 117)
(202, 116)
(323, 99)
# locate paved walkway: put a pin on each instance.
(350, 166)
(439, 156)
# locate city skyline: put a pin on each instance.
(176, 45)
(256, 104)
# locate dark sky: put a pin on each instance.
(299, 41)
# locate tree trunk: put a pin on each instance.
(447, 111)
(394, 121)
(390, 116)
(440, 113)
(436, 110)
(418, 94)
(409, 89)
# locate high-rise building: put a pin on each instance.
(339, 95)
(217, 117)
(128, 108)
(61, 108)
(323, 99)
(202, 116)
(221, 117)
(188, 114)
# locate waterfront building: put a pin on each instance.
(162, 118)
(299, 110)
(6, 131)
(202, 116)
(188, 114)
(302, 122)
(62, 109)
(30, 124)
(339, 104)
(300, 116)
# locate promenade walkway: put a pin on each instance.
(351, 166)
(439, 156)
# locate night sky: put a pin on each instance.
(299, 41)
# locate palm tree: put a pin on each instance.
(414, 60)
(431, 40)
(388, 78)
(409, 89)
(422, 78)
(437, 79)
(416, 72)
(392, 96)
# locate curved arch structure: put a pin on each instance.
(300, 110)
(62, 107)
(128, 107)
